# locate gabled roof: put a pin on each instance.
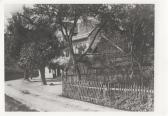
(60, 60)
(91, 24)
(79, 37)
(98, 40)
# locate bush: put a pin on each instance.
(134, 103)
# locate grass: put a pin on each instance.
(11, 75)
(12, 105)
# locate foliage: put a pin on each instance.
(9, 61)
(130, 28)
(27, 57)
(139, 27)
(33, 41)
(131, 25)
(133, 103)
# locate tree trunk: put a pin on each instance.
(78, 71)
(42, 71)
(75, 63)
(54, 73)
(58, 71)
(49, 70)
(26, 76)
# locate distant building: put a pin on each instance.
(81, 38)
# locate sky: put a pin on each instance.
(9, 9)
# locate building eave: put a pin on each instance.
(79, 37)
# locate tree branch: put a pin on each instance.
(62, 31)
(116, 46)
(72, 29)
(28, 19)
(66, 31)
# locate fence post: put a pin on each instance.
(104, 91)
(62, 88)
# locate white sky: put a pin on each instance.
(9, 9)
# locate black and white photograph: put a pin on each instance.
(79, 57)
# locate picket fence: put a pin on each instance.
(96, 92)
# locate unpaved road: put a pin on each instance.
(46, 97)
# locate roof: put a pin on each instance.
(79, 37)
(89, 31)
(60, 60)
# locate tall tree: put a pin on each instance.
(138, 27)
(30, 29)
(135, 26)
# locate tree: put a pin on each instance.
(141, 31)
(138, 27)
(134, 25)
(132, 22)
(26, 61)
(66, 18)
(7, 41)
(141, 35)
(34, 40)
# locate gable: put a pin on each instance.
(106, 47)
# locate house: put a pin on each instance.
(82, 35)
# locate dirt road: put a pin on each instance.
(47, 97)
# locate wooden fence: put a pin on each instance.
(103, 93)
